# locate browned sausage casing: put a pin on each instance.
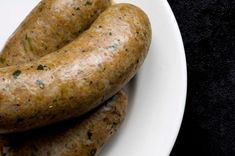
(77, 78)
(50, 26)
(84, 137)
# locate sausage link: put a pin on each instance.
(99, 137)
(80, 76)
(51, 25)
(83, 137)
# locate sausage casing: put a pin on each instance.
(84, 137)
(118, 100)
(80, 76)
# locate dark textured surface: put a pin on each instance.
(208, 31)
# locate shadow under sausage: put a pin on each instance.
(130, 88)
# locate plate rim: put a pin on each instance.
(184, 66)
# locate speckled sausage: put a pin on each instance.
(80, 76)
(5, 139)
(50, 26)
(84, 137)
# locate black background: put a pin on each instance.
(208, 31)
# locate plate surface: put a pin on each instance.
(156, 95)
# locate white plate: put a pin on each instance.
(157, 94)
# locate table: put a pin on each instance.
(208, 30)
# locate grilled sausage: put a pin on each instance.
(84, 137)
(80, 76)
(50, 26)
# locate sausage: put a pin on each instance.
(50, 26)
(120, 104)
(78, 137)
(77, 78)
(5, 139)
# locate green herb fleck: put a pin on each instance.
(27, 43)
(88, 3)
(40, 84)
(16, 74)
(41, 67)
(114, 46)
(110, 34)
